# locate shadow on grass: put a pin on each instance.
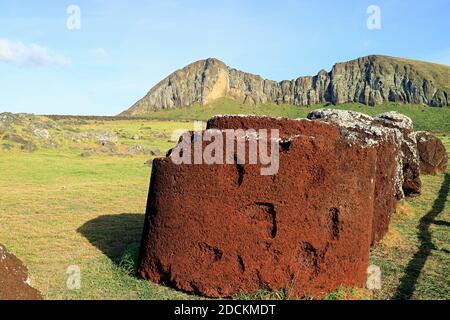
(113, 234)
(412, 272)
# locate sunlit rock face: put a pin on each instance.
(370, 80)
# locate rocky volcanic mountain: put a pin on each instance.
(370, 80)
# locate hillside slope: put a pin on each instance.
(371, 80)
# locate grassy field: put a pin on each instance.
(59, 209)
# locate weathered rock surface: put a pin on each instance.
(391, 126)
(14, 281)
(137, 149)
(10, 136)
(370, 80)
(101, 136)
(25, 145)
(306, 229)
(410, 158)
(287, 127)
(155, 152)
(432, 153)
(354, 127)
(28, 147)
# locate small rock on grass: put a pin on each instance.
(86, 154)
(28, 147)
(155, 152)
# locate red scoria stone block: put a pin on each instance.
(223, 230)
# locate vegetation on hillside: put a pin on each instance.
(424, 117)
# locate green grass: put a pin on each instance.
(424, 117)
(58, 209)
(415, 255)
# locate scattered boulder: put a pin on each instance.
(41, 133)
(9, 119)
(101, 136)
(4, 127)
(306, 229)
(7, 147)
(155, 152)
(71, 137)
(14, 281)
(86, 154)
(161, 135)
(25, 145)
(51, 144)
(135, 137)
(432, 153)
(37, 124)
(137, 149)
(28, 147)
(10, 136)
(107, 147)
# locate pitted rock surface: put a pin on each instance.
(432, 153)
(14, 281)
(222, 230)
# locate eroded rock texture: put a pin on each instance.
(354, 127)
(370, 80)
(14, 282)
(432, 153)
(222, 230)
(410, 158)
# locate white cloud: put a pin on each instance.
(99, 53)
(31, 55)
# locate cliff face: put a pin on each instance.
(370, 80)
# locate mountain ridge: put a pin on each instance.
(371, 80)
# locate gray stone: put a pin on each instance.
(155, 152)
(86, 154)
(7, 147)
(101, 136)
(41, 133)
(11, 136)
(107, 147)
(29, 147)
(137, 149)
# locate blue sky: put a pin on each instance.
(123, 48)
